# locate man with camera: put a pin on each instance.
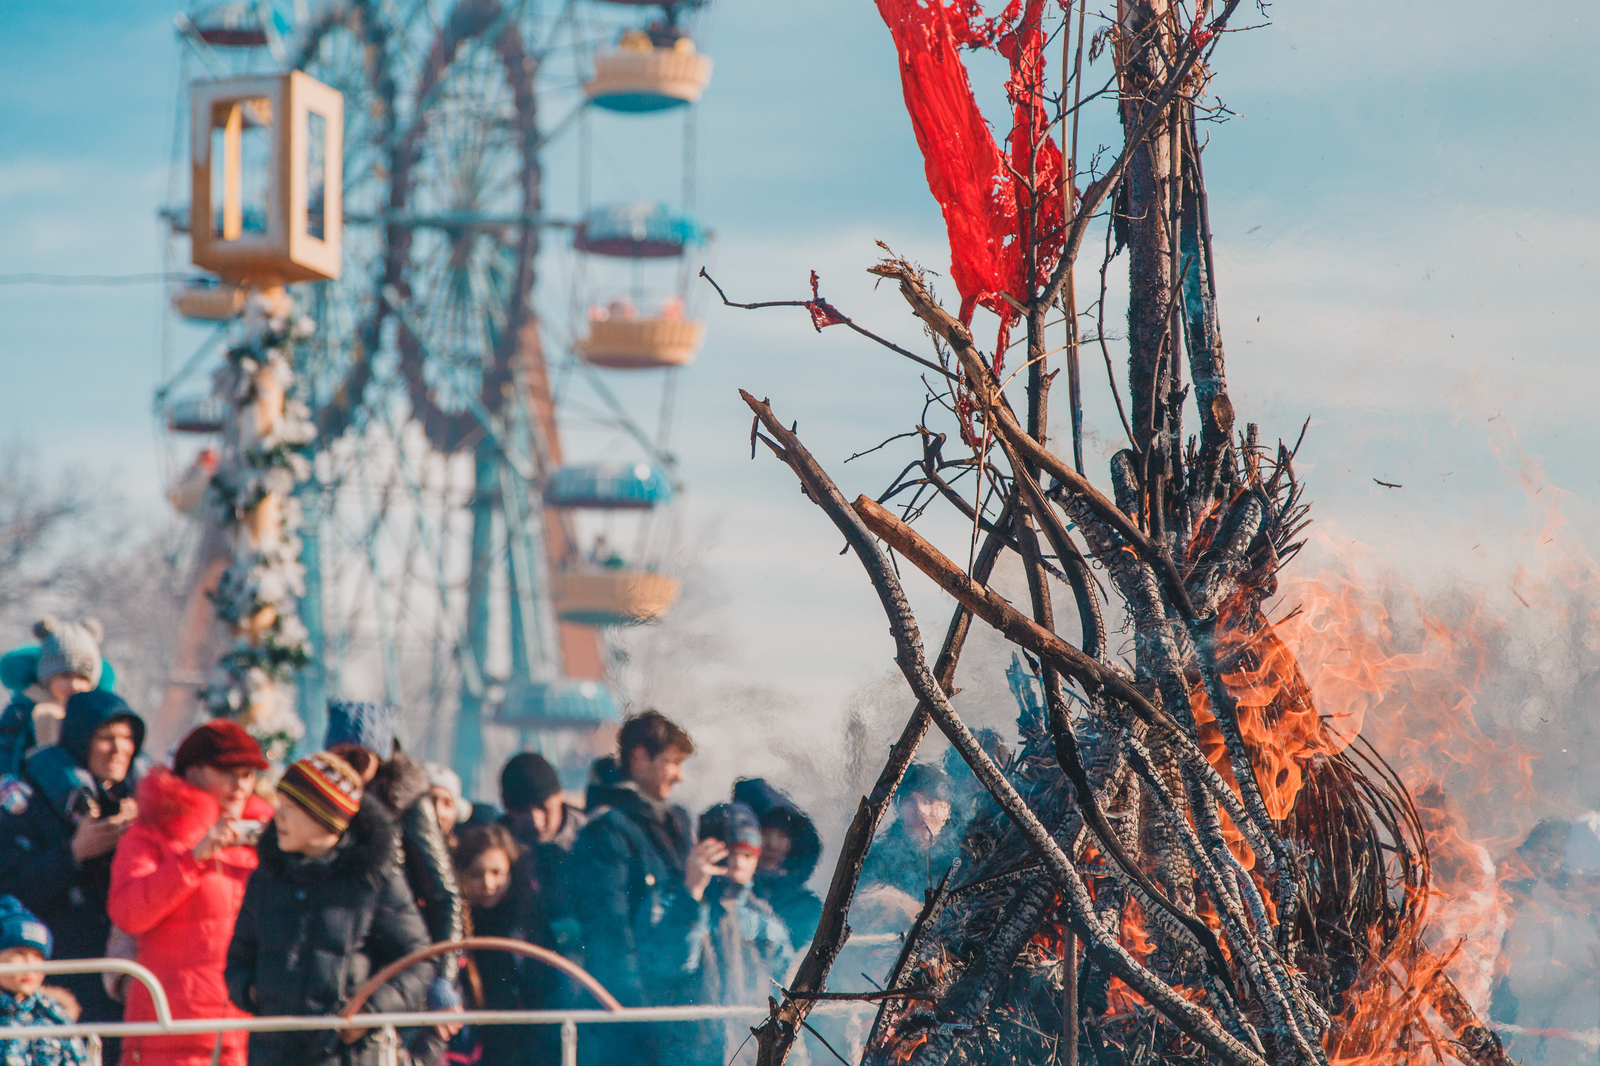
(720, 938)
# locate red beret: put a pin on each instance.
(219, 743)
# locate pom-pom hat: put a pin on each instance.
(325, 787)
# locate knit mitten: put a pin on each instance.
(443, 995)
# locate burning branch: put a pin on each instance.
(913, 664)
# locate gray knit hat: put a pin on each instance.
(69, 648)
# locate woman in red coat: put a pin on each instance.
(178, 881)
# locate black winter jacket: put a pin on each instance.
(908, 863)
(310, 932)
(402, 785)
(546, 867)
(628, 861)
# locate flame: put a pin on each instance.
(1358, 659)
(1131, 932)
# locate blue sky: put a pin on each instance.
(1405, 227)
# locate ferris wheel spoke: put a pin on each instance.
(464, 159)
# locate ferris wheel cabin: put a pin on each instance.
(621, 336)
(236, 24)
(564, 704)
(642, 75)
(266, 156)
(206, 301)
(612, 596)
(609, 487)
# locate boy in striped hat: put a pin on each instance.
(327, 906)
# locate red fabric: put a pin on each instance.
(182, 913)
(987, 209)
(822, 313)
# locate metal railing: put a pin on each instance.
(387, 1024)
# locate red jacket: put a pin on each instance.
(182, 913)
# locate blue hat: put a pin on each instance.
(733, 824)
(87, 712)
(364, 723)
(20, 929)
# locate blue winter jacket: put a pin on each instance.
(37, 1009)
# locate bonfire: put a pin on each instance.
(1184, 861)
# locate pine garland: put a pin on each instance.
(266, 455)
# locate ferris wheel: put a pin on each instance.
(460, 561)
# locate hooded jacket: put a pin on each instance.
(40, 1008)
(401, 784)
(725, 949)
(311, 931)
(39, 811)
(786, 889)
(182, 913)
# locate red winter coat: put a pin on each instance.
(182, 913)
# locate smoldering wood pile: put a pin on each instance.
(1180, 863)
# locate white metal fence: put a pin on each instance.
(387, 1024)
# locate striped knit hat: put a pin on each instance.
(325, 787)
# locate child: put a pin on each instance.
(24, 938)
(725, 940)
(327, 907)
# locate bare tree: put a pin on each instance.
(68, 548)
(41, 521)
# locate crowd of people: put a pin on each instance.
(245, 898)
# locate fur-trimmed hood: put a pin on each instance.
(183, 813)
(366, 850)
(400, 782)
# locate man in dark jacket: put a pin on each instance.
(726, 944)
(917, 850)
(547, 826)
(363, 733)
(59, 826)
(327, 908)
(632, 860)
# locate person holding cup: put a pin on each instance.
(177, 883)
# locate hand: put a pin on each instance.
(702, 866)
(127, 811)
(447, 1031)
(219, 836)
(95, 837)
(350, 1036)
